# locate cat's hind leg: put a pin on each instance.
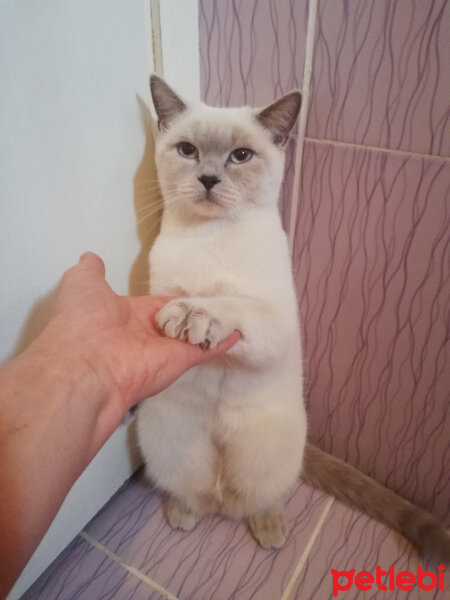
(262, 459)
(179, 515)
(270, 527)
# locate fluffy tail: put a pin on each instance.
(347, 484)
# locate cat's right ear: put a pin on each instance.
(167, 104)
(279, 117)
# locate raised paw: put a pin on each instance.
(182, 320)
(269, 528)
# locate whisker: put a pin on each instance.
(155, 183)
(147, 217)
(146, 202)
(140, 181)
(143, 218)
(149, 208)
(155, 190)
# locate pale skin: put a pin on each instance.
(63, 397)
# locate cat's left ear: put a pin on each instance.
(167, 104)
(279, 117)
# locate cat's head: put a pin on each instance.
(213, 162)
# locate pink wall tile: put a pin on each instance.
(252, 52)
(381, 74)
(371, 258)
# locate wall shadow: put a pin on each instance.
(147, 205)
(148, 211)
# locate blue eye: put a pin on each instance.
(241, 155)
(187, 150)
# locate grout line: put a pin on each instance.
(376, 148)
(307, 70)
(307, 550)
(116, 558)
(156, 37)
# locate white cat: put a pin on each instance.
(229, 435)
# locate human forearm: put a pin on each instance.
(55, 416)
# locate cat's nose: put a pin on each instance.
(209, 181)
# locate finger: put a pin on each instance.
(200, 355)
(93, 263)
(226, 344)
(178, 357)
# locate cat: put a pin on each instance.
(230, 436)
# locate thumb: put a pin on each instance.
(92, 262)
(201, 356)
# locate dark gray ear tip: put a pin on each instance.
(296, 97)
(156, 80)
(166, 102)
(279, 117)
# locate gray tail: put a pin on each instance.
(347, 484)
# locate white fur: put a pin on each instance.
(237, 422)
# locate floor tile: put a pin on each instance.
(351, 540)
(82, 572)
(218, 559)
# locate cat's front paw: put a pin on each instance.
(183, 320)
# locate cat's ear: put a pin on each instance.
(279, 117)
(167, 104)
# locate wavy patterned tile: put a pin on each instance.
(218, 559)
(251, 53)
(381, 74)
(83, 573)
(371, 259)
(350, 540)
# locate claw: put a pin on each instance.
(205, 345)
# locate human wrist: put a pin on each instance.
(83, 392)
(61, 362)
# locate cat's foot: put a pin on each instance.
(179, 516)
(270, 528)
(181, 319)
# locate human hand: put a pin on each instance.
(117, 336)
(64, 396)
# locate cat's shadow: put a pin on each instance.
(148, 211)
(147, 206)
(147, 198)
